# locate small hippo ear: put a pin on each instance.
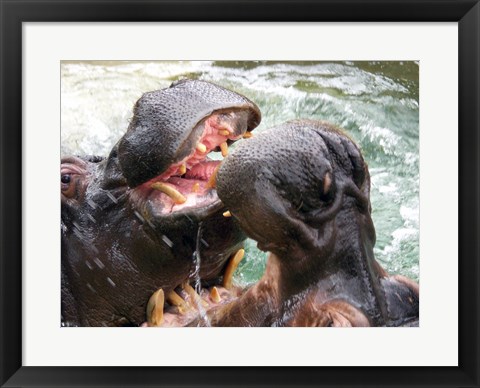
(345, 154)
(360, 173)
(359, 167)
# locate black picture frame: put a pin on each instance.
(14, 12)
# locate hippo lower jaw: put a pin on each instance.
(184, 306)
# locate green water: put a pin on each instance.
(375, 102)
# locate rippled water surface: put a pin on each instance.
(375, 102)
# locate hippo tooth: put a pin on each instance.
(155, 308)
(212, 181)
(224, 149)
(222, 124)
(176, 300)
(182, 169)
(227, 214)
(195, 187)
(201, 148)
(224, 132)
(193, 295)
(177, 197)
(231, 267)
(247, 135)
(214, 295)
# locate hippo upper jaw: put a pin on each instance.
(174, 129)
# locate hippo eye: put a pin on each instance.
(72, 174)
(67, 185)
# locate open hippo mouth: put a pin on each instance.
(176, 176)
(188, 184)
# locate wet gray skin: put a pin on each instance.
(302, 191)
(121, 239)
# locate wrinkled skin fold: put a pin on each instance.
(141, 218)
(302, 191)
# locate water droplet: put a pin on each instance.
(112, 197)
(167, 241)
(139, 216)
(92, 204)
(99, 263)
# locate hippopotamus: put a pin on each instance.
(147, 216)
(302, 191)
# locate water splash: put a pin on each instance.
(195, 275)
(197, 261)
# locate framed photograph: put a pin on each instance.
(251, 193)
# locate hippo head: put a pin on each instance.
(303, 180)
(302, 191)
(147, 216)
